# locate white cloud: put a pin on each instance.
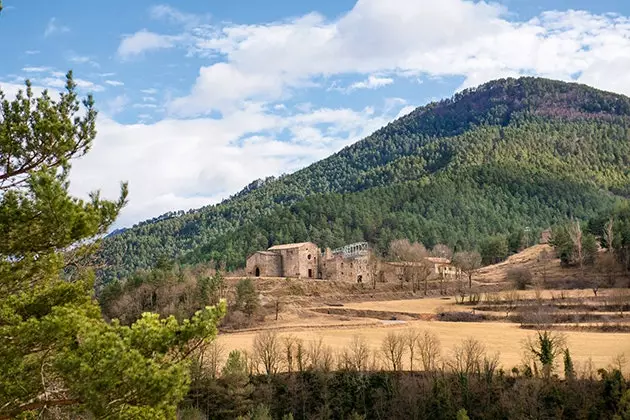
(54, 28)
(82, 59)
(116, 105)
(57, 80)
(254, 67)
(404, 111)
(152, 106)
(31, 52)
(372, 82)
(210, 158)
(221, 86)
(36, 69)
(143, 41)
(114, 83)
(173, 15)
(475, 40)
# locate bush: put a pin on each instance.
(521, 277)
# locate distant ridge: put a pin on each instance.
(488, 161)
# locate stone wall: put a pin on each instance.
(264, 264)
(353, 270)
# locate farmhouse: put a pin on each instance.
(439, 268)
(299, 260)
(306, 260)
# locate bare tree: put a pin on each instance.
(411, 341)
(403, 250)
(608, 265)
(359, 353)
(429, 350)
(468, 262)
(267, 351)
(510, 300)
(393, 350)
(320, 355)
(468, 357)
(520, 276)
(301, 356)
(620, 298)
(374, 267)
(289, 344)
(415, 266)
(442, 251)
(215, 353)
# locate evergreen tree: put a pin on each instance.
(55, 349)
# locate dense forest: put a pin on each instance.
(492, 160)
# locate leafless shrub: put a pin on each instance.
(520, 276)
(214, 355)
(510, 299)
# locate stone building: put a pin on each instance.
(299, 260)
(337, 266)
(442, 267)
(391, 271)
(305, 260)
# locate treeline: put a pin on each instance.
(514, 129)
(486, 208)
(408, 376)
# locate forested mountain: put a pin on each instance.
(489, 161)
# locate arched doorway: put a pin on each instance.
(257, 272)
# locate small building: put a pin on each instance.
(305, 260)
(440, 268)
(443, 267)
(299, 260)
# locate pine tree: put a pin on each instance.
(55, 348)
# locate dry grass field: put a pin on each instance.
(338, 312)
(506, 339)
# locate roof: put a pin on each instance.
(265, 253)
(289, 246)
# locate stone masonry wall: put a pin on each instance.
(269, 265)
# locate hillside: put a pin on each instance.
(491, 160)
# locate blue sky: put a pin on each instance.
(199, 98)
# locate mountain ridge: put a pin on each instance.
(572, 123)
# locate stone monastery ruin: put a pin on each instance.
(350, 263)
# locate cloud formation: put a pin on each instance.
(53, 27)
(233, 124)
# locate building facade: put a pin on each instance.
(299, 260)
(306, 260)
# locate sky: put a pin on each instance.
(197, 99)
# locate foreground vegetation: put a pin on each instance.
(58, 356)
(288, 378)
